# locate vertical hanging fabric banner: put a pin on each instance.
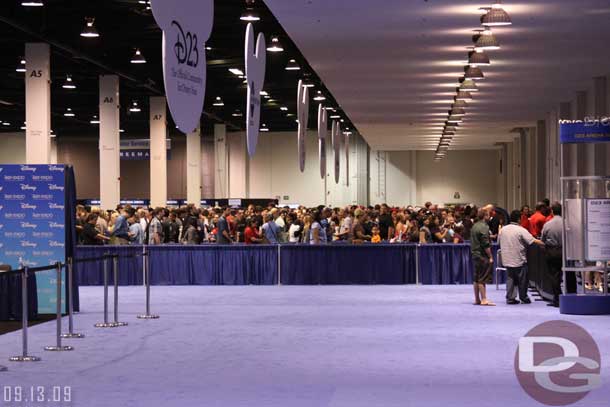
(303, 118)
(347, 158)
(336, 140)
(322, 134)
(185, 28)
(255, 75)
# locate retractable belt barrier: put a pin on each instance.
(69, 266)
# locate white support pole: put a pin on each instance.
(193, 167)
(110, 143)
(38, 103)
(53, 152)
(158, 152)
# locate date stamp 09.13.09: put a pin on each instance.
(36, 396)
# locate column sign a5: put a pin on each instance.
(185, 28)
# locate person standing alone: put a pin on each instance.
(480, 248)
(514, 241)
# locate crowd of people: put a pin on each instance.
(255, 225)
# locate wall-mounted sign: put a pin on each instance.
(139, 149)
(598, 230)
(255, 75)
(322, 134)
(185, 30)
(336, 144)
(579, 131)
(347, 158)
(303, 118)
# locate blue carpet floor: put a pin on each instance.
(336, 346)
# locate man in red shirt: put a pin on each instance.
(538, 220)
(525, 215)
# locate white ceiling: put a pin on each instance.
(393, 65)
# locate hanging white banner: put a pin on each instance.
(185, 28)
(336, 140)
(255, 75)
(303, 117)
(347, 159)
(322, 134)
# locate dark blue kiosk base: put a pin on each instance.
(578, 304)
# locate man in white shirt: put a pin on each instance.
(514, 241)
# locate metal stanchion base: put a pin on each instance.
(148, 316)
(25, 359)
(72, 335)
(3, 369)
(106, 325)
(121, 323)
(58, 348)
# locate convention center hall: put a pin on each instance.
(304, 203)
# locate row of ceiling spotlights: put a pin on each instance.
(484, 40)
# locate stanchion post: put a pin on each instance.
(279, 264)
(69, 272)
(105, 324)
(146, 263)
(24, 319)
(417, 264)
(115, 271)
(58, 347)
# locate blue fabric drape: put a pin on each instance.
(10, 297)
(92, 273)
(348, 264)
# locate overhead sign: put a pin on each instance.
(255, 75)
(336, 140)
(32, 223)
(185, 28)
(139, 149)
(598, 230)
(588, 131)
(303, 118)
(322, 134)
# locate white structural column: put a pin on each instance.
(540, 160)
(238, 165)
(600, 110)
(570, 156)
(193, 167)
(585, 152)
(53, 152)
(37, 103)
(158, 151)
(221, 162)
(553, 169)
(110, 144)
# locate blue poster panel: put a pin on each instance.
(32, 224)
(578, 131)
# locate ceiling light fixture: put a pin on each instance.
(275, 45)
(218, 102)
(32, 3)
(457, 112)
(335, 116)
(236, 72)
(284, 109)
(292, 65)
(134, 107)
(463, 96)
(264, 127)
(69, 83)
(478, 58)
(485, 40)
(468, 85)
(319, 97)
(250, 14)
(454, 119)
(473, 73)
(21, 66)
(496, 16)
(94, 120)
(89, 31)
(237, 113)
(138, 58)
(69, 112)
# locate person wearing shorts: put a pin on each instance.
(480, 247)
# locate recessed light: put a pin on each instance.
(292, 65)
(138, 58)
(69, 83)
(89, 31)
(275, 45)
(134, 107)
(218, 102)
(69, 112)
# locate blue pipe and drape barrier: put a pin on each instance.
(286, 264)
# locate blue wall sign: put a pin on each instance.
(579, 131)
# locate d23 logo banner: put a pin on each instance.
(336, 140)
(322, 134)
(32, 223)
(255, 75)
(303, 118)
(186, 26)
(558, 363)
